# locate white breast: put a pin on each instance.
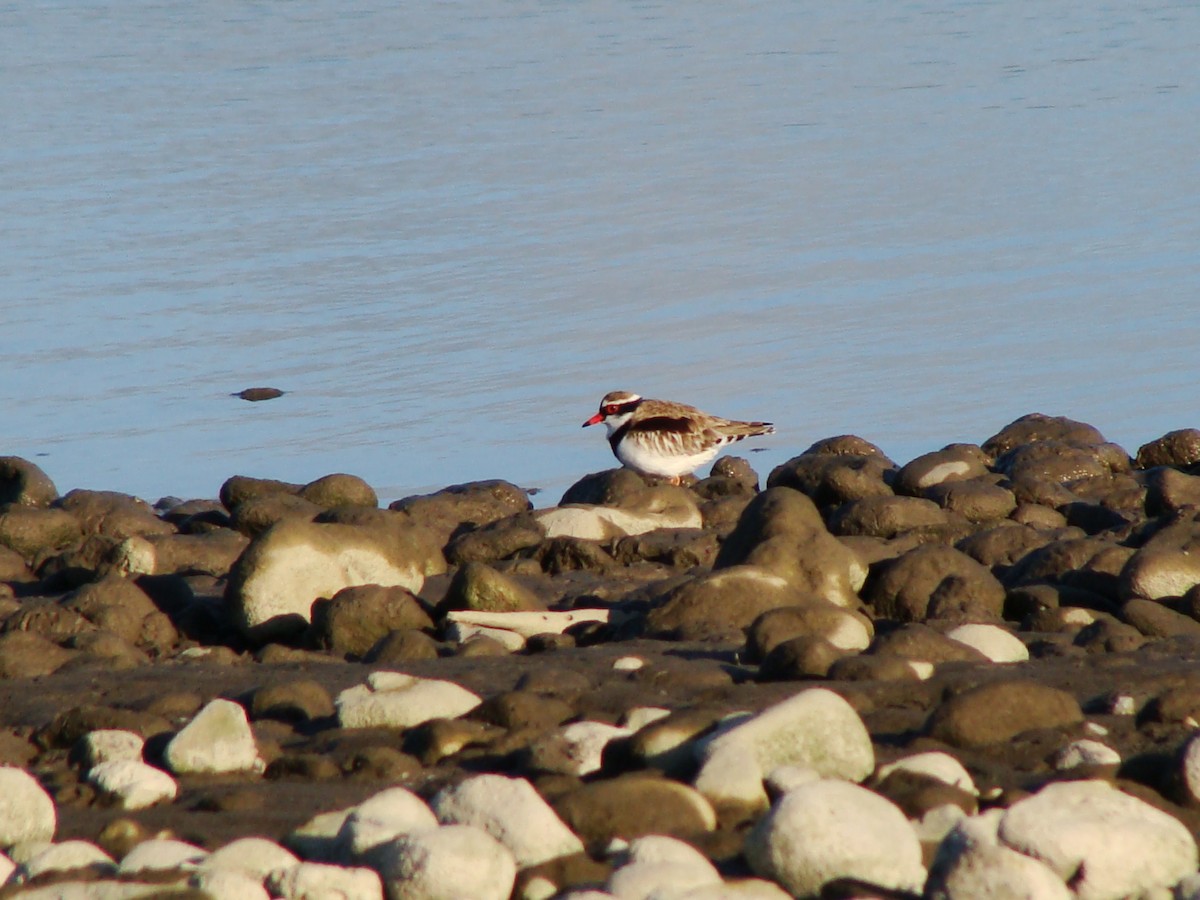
(646, 457)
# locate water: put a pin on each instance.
(447, 229)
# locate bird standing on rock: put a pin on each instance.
(659, 437)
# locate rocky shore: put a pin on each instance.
(973, 674)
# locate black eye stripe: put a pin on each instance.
(615, 409)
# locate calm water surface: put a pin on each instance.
(446, 229)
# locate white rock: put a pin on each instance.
(7, 867)
(922, 668)
(132, 783)
(994, 642)
(274, 583)
(228, 884)
(933, 764)
(581, 745)
(1123, 705)
(395, 700)
(454, 861)
(511, 811)
(816, 728)
(528, 623)
(162, 854)
(1189, 766)
(601, 523)
(742, 889)
(665, 879)
(318, 881)
(461, 632)
(970, 862)
(1086, 753)
(26, 811)
(833, 829)
(936, 823)
(317, 839)
(66, 857)
(1074, 827)
(217, 740)
(628, 664)
(641, 716)
(110, 744)
(380, 818)
(655, 848)
(253, 856)
(782, 779)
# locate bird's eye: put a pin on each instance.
(611, 409)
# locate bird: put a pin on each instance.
(664, 438)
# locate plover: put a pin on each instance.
(659, 437)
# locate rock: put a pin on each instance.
(920, 643)
(357, 618)
(1036, 427)
(678, 548)
(273, 585)
(904, 587)
(956, 463)
(44, 617)
(575, 749)
(995, 643)
(110, 744)
(1074, 826)
(313, 880)
(816, 728)
(782, 532)
(122, 607)
(161, 855)
(67, 856)
(24, 484)
(976, 501)
(1055, 462)
(999, 711)
(292, 701)
(211, 553)
(379, 819)
(1004, 544)
(1169, 491)
(448, 862)
(837, 471)
(477, 586)
(602, 523)
(472, 505)
(253, 856)
(1175, 448)
(830, 829)
(27, 813)
(132, 784)
(512, 812)
(33, 532)
(496, 540)
(661, 879)
(1085, 753)
(317, 838)
(630, 806)
(339, 490)
(971, 862)
(218, 739)
(1155, 620)
(113, 514)
(721, 604)
(798, 658)
(887, 517)
(27, 655)
(401, 647)
(844, 629)
(394, 700)
(1153, 573)
(223, 884)
(933, 764)
(241, 488)
(255, 515)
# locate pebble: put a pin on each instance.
(228, 884)
(67, 856)
(395, 700)
(318, 881)
(380, 818)
(447, 862)
(255, 857)
(132, 783)
(109, 744)
(217, 740)
(27, 813)
(994, 642)
(935, 764)
(971, 862)
(161, 854)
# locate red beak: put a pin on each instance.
(594, 420)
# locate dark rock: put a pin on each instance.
(258, 394)
(1036, 516)
(433, 741)
(957, 599)
(256, 514)
(568, 554)
(887, 517)
(782, 532)
(977, 500)
(1107, 635)
(306, 766)
(339, 490)
(523, 709)
(35, 532)
(679, 548)
(1169, 490)
(1056, 462)
(122, 607)
(69, 726)
(27, 655)
(798, 658)
(1158, 621)
(721, 605)
(113, 514)
(921, 643)
(958, 462)
(1175, 448)
(240, 488)
(357, 618)
(305, 700)
(496, 540)
(612, 487)
(630, 806)
(478, 587)
(105, 648)
(731, 476)
(873, 668)
(24, 484)
(48, 618)
(902, 588)
(1038, 427)
(817, 619)
(1093, 518)
(379, 762)
(212, 553)
(13, 567)
(402, 646)
(1033, 491)
(832, 479)
(1051, 562)
(1004, 544)
(999, 711)
(469, 505)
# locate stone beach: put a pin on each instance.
(974, 673)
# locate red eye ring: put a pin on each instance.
(611, 409)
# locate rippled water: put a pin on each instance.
(447, 229)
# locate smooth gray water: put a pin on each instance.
(448, 228)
